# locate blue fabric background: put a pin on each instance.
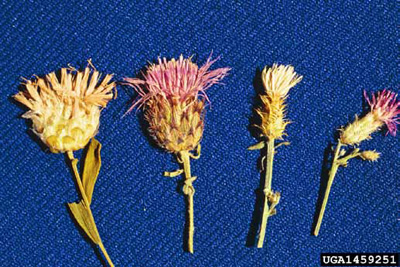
(340, 47)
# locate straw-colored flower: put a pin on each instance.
(172, 93)
(277, 80)
(384, 109)
(65, 113)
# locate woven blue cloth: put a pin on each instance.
(340, 47)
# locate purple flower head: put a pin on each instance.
(177, 78)
(385, 106)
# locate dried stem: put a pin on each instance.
(74, 163)
(267, 190)
(188, 190)
(332, 173)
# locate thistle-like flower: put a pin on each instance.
(172, 94)
(384, 108)
(277, 81)
(65, 114)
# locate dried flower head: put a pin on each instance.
(65, 113)
(173, 95)
(277, 80)
(384, 110)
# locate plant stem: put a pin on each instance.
(332, 174)
(267, 190)
(74, 162)
(103, 249)
(189, 191)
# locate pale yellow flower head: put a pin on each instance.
(66, 112)
(277, 81)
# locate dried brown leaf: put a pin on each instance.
(85, 220)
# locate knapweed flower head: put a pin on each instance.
(384, 108)
(66, 112)
(277, 81)
(172, 92)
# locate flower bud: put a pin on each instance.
(370, 155)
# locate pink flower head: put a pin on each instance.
(386, 107)
(179, 79)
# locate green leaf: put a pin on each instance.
(91, 168)
(85, 220)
